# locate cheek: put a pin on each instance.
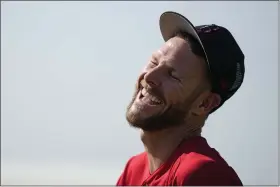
(174, 93)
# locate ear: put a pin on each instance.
(207, 104)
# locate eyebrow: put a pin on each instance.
(155, 57)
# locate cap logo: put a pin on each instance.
(208, 28)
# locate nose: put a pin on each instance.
(153, 77)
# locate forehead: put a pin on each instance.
(178, 54)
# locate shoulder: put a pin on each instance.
(133, 166)
(137, 160)
(203, 170)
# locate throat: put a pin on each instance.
(160, 146)
(154, 163)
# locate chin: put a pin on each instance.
(147, 108)
(139, 115)
(153, 117)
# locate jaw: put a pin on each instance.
(153, 118)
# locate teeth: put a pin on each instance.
(154, 99)
(144, 92)
(149, 96)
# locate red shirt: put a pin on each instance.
(193, 163)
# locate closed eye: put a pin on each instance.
(174, 76)
(153, 64)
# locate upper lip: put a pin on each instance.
(152, 91)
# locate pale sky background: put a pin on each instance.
(68, 71)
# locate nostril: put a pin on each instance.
(141, 95)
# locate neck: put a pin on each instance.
(161, 144)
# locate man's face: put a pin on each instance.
(168, 88)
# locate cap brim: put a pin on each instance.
(171, 22)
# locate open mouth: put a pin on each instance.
(149, 98)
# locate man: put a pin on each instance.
(189, 77)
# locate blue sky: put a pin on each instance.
(68, 71)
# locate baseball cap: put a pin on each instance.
(224, 57)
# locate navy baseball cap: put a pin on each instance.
(223, 55)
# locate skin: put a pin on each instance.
(177, 78)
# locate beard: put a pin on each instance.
(168, 117)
